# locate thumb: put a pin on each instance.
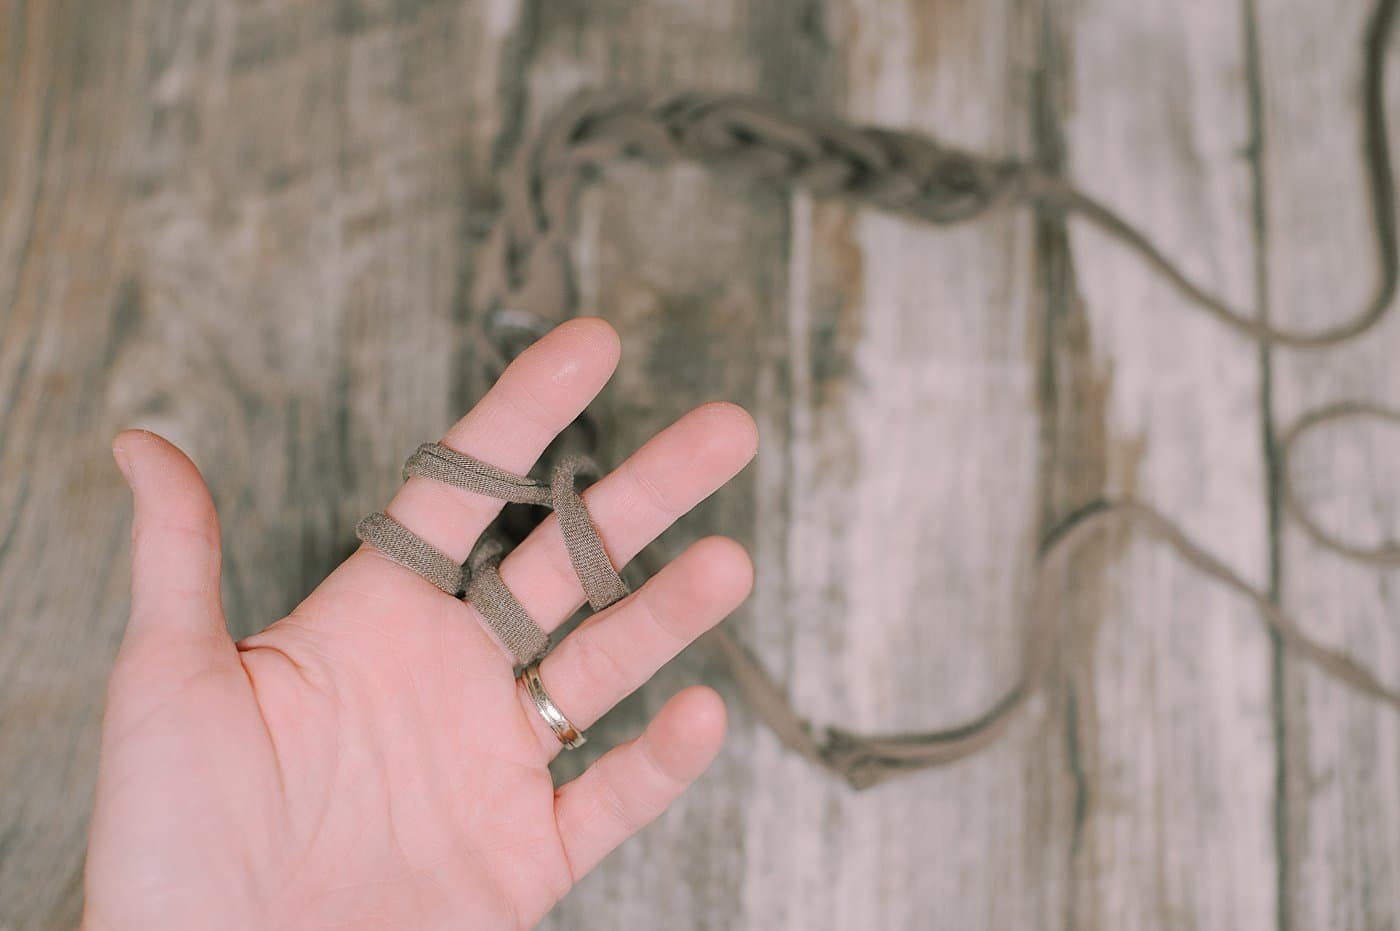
(175, 552)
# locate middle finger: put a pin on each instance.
(670, 474)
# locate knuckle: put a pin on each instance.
(616, 803)
(560, 565)
(650, 491)
(527, 404)
(203, 534)
(598, 668)
(656, 616)
(460, 504)
(662, 784)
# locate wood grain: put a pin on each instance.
(252, 227)
(913, 433)
(1340, 817)
(1170, 680)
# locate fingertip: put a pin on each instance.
(581, 345)
(706, 712)
(137, 436)
(735, 424)
(725, 568)
(567, 366)
(130, 441)
(161, 475)
(597, 333)
(133, 449)
(688, 732)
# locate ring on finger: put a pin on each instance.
(570, 736)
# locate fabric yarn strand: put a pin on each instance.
(524, 281)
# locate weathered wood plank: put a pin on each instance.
(912, 490)
(61, 521)
(1341, 752)
(1169, 679)
(253, 226)
(241, 226)
(691, 268)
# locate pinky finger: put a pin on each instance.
(631, 784)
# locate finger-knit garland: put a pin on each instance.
(479, 582)
(524, 276)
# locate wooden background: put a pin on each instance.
(252, 226)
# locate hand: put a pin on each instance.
(369, 761)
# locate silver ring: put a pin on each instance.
(571, 737)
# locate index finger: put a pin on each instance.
(540, 393)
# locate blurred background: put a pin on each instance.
(254, 227)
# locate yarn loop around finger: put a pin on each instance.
(479, 581)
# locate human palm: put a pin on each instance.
(369, 761)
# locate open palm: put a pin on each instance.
(369, 761)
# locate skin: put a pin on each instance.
(369, 761)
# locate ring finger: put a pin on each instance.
(614, 652)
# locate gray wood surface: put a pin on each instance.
(1339, 759)
(252, 227)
